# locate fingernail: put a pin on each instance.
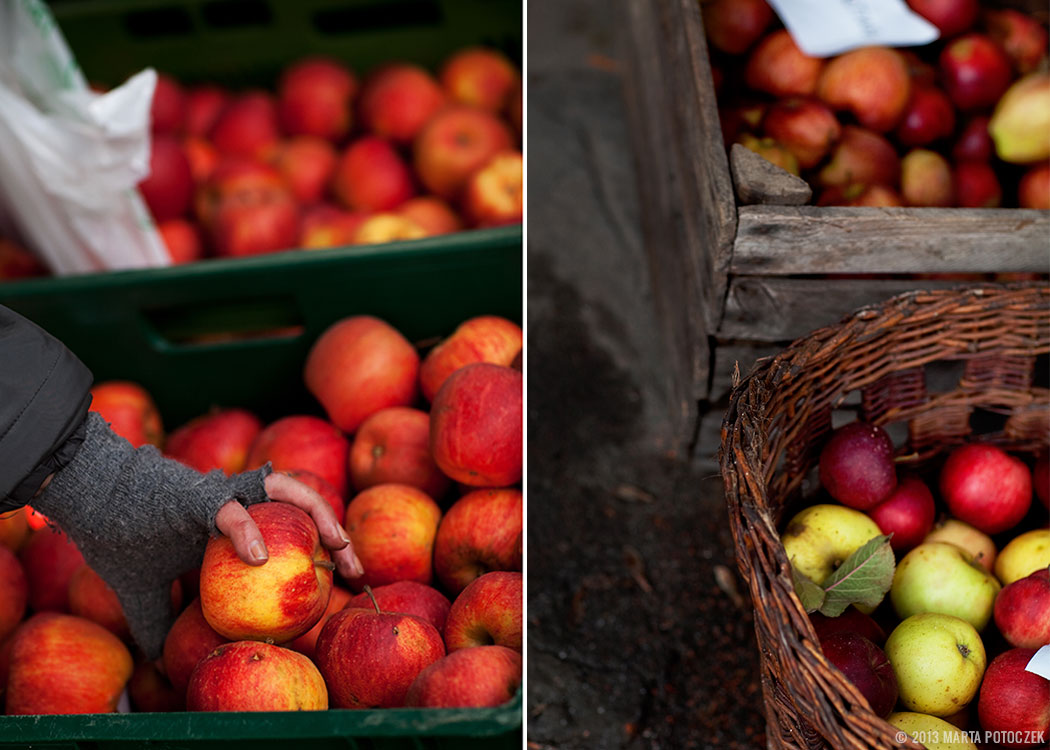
(258, 551)
(358, 567)
(344, 535)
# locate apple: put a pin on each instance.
(395, 647)
(370, 175)
(481, 532)
(1015, 703)
(975, 71)
(167, 111)
(940, 577)
(247, 126)
(149, 690)
(856, 465)
(315, 97)
(978, 544)
(397, 100)
(432, 214)
(951, 17)
(220, 439)
(1021, 118)
(189, 640)
(278, 600)
(307, 164)
(479, 77)
(493, 194)
(777, 66)
(861, 156)
(182, 239)
(939, 661)
(737, 118)
(203, 105)
(454, 144)
(488, 611)
(933, 732)
(483, 338)
(306, 644)
(14, 529)
(1040, 478)
(5, 663)
(327, 225)
(409, 598)
(974, 143)
(772, 151)
(322, 487)
(91, 597)
(805, 126)
(1022, 610)
(929, 117)
(168, 189)
(387, 227)
(255, 225)
(254, 676)
(866, 666)
(14, 592)
(872, 83)
(61, 664)
(1033, 191)
(130, 411)
(392, 527)
(359, 365)
(852, 620)
(1023, 555)
(976, 185)
(302, 442)
(1023, 39)
(818, 538)
(986, 487)
(18, 263)
(926, 179)
(241, 181)
(858, 194)
(468, 678)
(732, 26)
(393, 446)
(49, 559)
(907, 514)
(476, 425)
(202, 156)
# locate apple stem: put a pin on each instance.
(368, 590)
(906, 458)
(326, 564)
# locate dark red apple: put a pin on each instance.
(1021, 36)
(852, 620)
(734, 25)
(928, 117)
(1022, 610)
(856, 465)
(976, 185)
(974, 143)
(1041, 478)
(986, 487)
(1014, 702)
(908, 514)
(975, 71)
(951, 17)
(168, 190)
(168, 108)
(866, 666)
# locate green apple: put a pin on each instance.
(819, 538)
(962, 534)
(941, 577)
(1023, 555)
(939, 661)
(934, 733)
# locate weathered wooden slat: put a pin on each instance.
(783, 240)
(759, 181)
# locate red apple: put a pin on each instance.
(866, 666)
(852, 620)
(14, 592)
(454, 144)
(1041, 478)
(371, 176)
(1015, 703)
(130, 411)
(168, 108)
(479, 77)
(49, 559)
(1023, 39)
(777, 66)
(986, 487)
(872, 83)
(488, 611)
(253, 676)
(18, 263)
(247, 126)
(14, 529)
(468, 678)
(306, 644)
(5, 663)
(256, 225)
(149, 690)
(278, 600)
(387, 227)
(326, 225)
(1033, 191)
(61, 664)
(861, 156)
(1022, 610)
(483, 338)
(736, 120)
(393, 446)
(408, 598)
(803, 125)
(976, 185)
(432, 214)
(168, 190)
(182, 239)
(203, 105)
(975, 71)
(493, 194)
(734, 25)
(397, 100)
(302, 442)
(928, 117)
(358, 366)
(771, 151)
(974, 143)
(202, 156)
(926, 179)
(220, 439)
(951, 17)
(856, 465)
(907, 514)
(515, 103)
(859, 194)
(481, 532)
(189, 640)
(392, 527)
(476, 425)
(91, 597)
(315, 97)
(307, 164)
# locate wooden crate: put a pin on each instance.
(737, 274)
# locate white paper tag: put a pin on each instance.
(1040, 663)
(822, 28)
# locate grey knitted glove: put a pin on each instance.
(140, 520)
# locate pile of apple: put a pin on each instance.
(959, 122)
(967, 571)
(420, 457)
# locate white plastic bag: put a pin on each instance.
(70, 158)
(822, 28)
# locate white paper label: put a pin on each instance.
(822, 28)
(1040, 663)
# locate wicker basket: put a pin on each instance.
(878, 362)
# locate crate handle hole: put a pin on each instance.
(234, 14)
(355, 19)
(225, 322)
(159, 22)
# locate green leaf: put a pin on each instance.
(811, 595)
(863, 578)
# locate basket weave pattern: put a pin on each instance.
(877, 362)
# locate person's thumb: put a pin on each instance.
(150, 616)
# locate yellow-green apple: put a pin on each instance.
(168, 107)
(1022, 37)
(1022, 610)
(149, 690)
(61, 664)
(975, 71)
(871, 83)
(14, 592)
(468, 678)
(929, 117)
(860, 156)
(397, 99)
(479, 77)
(488, 611)
(961, 534)
(91, 597)
(976, 185)
(852, 620)
(1033, 191)
(476, 425)
(247, 126)
(203, 104)
(1015, 703)
(306, 644)
(322, 487)
(302, 442)
(189, 640)
(130, 411)
(359, 365)
(307, 164)
(819, 538)
(866, 666)
(327, 225)
(926, 179)
(777, 66)
(392, 527)
(772, 151)
(49, 559)
(370, 175)
(939, 661)
(278, 600)
(315, 97)
(392, 446)
(985, 486)
(940, 577)
(409, 598)
(387, 227)
(734, 25)
(803, 125)
(951, 17)
(431, 213)
(182, 239)
(254, 676)
(1040, 478)
(220, 439)
(481, 532)
(369, 658)
(1023, 555)
(934, 733)
(14, 529)
(907, 514)
(493, 194)
(454, 144)
(484, 338)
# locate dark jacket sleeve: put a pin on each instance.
(45, 392)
